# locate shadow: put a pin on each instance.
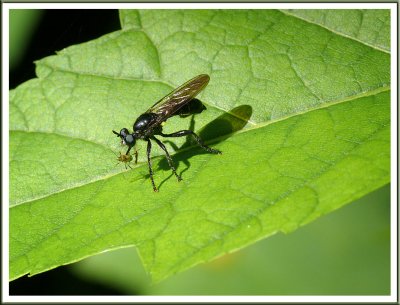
(223, 126)
(214, 132)
(59, 282)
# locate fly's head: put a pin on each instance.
(126, 138)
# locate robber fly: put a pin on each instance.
(180, 102)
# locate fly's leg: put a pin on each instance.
(199, 141)
(149, 162)
(136, 155)
(169, 159)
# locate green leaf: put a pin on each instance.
(300, 112)
(368, 26)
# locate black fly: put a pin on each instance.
(180, 102)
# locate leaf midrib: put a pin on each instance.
(259, 125)
(319, 106)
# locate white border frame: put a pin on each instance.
(177, 299)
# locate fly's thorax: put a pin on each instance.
(140, 134)
(143, 121)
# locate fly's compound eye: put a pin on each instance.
(124, 132)
(129, 140)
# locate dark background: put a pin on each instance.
(54, 30)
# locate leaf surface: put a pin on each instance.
(301, 114)
(368, 26)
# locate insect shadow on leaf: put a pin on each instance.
(216, 131)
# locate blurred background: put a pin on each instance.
(344, 253)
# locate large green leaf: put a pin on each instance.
(301, 113)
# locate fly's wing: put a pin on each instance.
(178, 98)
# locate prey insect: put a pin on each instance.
(148, 125)
(126, 159)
